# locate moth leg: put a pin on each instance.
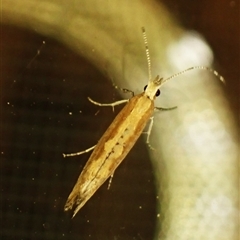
(149, 132)
(108, 104)
(151, 125)
(110, 181)
(124, 90)
(78, 153)
(165, 109)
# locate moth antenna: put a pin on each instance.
(147, 53)
(221, 78)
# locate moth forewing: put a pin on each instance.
(111, 149)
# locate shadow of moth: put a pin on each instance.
(119, 138)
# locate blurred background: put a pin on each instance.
(45, 112)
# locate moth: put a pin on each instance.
(119, 138)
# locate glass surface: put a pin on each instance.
(45, 112)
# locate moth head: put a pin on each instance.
(152, 89)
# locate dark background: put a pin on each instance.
(37, 96)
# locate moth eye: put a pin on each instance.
(157, 93)
(145, 87)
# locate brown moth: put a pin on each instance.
(119, 138)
